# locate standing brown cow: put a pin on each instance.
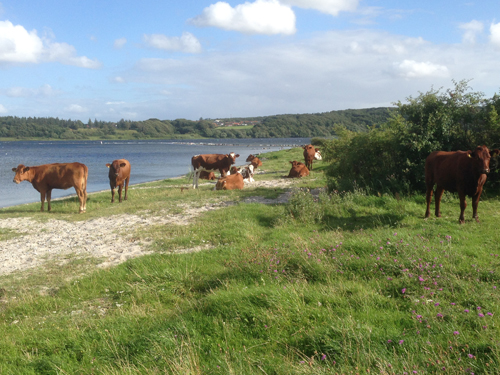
(311, 154)
(119, 175)
(463, 172)
(46, 177)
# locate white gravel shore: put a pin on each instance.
(108, 239)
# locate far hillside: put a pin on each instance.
(278, 126)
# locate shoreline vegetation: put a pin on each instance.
(281, 277)
(278, 126)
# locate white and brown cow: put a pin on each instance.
(246, 171)
(46, 177)
(119, 175)
(212, 162)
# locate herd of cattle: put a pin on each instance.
(463, 172)
(47, 177)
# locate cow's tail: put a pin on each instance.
(85, 176)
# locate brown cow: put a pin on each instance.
(311, 154)
(204, 175)
(255, 161)
(211, 162)
(463, 172)
(298, 170)
(46, 177)
(119, 175)
(231, 182)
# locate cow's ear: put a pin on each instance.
(237, 155)
(470, 154)
(108, 165)
(14, 169)
(495, 152)
(122, 165)
(26, 169)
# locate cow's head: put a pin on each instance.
(232, 157)
(115, 167)
(250, 158)
(233, 170)
(20, 173)
(481, 158)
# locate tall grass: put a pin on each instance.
(343, 283)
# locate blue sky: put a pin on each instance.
(109, 60)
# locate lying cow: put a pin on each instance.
(255, 161)
(211, 162)
(463, 172)
(46, 177)
(233, 181)
(119, 175)
(246, 172)
(311, 154)
(298, 170)
(204, 175)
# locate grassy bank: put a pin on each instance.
(346, 283)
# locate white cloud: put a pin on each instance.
(23, 92)
(414, 69)
(118, 79)
(3, 109)
(260, 17)
(119, 43)
(471, 30)
(76, 108)
(332, 7)
(17, 45)
(495, 34)
(185, 43)
(66, 54)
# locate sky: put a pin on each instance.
(135, 60)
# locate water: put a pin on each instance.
(150, 160)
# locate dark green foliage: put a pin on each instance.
(392, 157)
(307, 125)
(320, 124)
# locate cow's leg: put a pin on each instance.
(112, 193)
(126, 188)
(463, 206)
(437, 199)
(428, 198)
(84, 195)
(120, 188)
(81, 198)
(475, 203)
(42, 198)
(195, 178)
(49, 196)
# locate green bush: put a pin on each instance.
(392, 158)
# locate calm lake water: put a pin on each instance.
(150, 160)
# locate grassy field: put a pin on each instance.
(344, 283)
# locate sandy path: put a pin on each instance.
(109, 239)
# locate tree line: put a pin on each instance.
(279, 126)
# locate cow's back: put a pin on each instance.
(62, 175)
(446, 169)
